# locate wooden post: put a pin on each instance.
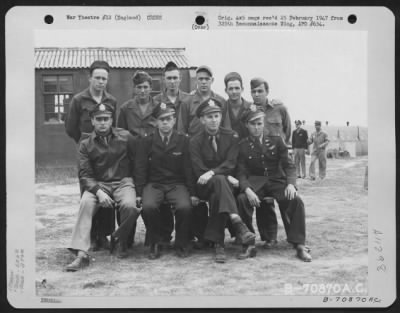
(366, 178)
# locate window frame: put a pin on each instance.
(58, 93)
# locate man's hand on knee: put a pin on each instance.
(290, 192)
(252, 197)
(104, 199)
(203, 179)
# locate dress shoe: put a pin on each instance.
(113, 243)
(79, 263)
(299, 176)
(247, 252)
(303, 253)
(269, 244)
(182, 252)
(155, 252)
(220, 256)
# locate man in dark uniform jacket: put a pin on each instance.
(136, 115)
(260, 160)
(300, 145)
(213, 152)
(163, 172)
(78, 125)
(106, 161)
(189, 123)
(171, 95)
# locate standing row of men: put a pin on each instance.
(179, 149)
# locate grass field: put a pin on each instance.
(337, 219)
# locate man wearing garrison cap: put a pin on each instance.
(277, 119)
(78, 125)
(300, 145)
(262, 157)
(320, 140)
(136, 114)
(164, 173)
(188, 122)
(235, 105)
(213, 152)
(106, 159)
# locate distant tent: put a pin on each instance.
(353, 139)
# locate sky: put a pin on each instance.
(318, 75)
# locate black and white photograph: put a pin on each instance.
(204, 161)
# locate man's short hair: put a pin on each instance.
(170, 66)
(99, 64)
(232, 76)
(139, 77)
(255, 82)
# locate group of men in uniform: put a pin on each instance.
(196, 158)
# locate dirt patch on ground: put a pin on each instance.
(336, 228)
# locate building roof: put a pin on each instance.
(48, 58)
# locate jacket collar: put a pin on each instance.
(134, 105)
(105, 96)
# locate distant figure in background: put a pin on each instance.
(320, 141)
(299, 144)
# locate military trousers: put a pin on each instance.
(300, 161)
(319, 155)
(219, 193)
(292, 211)
(177, 196)
(124, 195)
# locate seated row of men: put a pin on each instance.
(118, 171)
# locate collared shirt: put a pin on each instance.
(101, 162)
(299, 139)
(163, 137)
(182, 99)
(188, 122)
(204, 157)
(233, 122)
(319, 138)
(133, 119)
(78, 120)
(277, 121)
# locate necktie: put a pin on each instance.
(105, 139)
(213, 141)
(165, 140)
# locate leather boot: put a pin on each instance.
(243, 233)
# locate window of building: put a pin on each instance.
(57, 93)
(156, 85)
